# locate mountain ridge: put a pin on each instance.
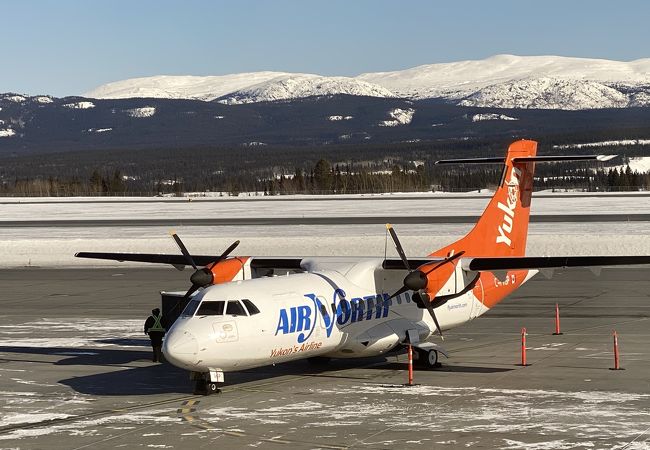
(492, 82)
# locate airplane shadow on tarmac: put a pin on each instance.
(166, 379)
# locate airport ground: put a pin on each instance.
(75, 372)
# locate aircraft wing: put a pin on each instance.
(549, 262)
(257, 262)
(179, 260)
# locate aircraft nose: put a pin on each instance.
(181, 348)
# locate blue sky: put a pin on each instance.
(66, 47)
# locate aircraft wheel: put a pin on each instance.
(212, 388)
(428, 359)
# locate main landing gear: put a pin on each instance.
(207, 383)
(427, 355)
(427, 359)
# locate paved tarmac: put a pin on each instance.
(75, 373)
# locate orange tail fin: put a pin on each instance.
(502, 230)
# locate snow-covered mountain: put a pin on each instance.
(288, 87)
(459, 79)
(238, 88)
(548, 93)
(548, 82)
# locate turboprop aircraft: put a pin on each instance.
(240, 316)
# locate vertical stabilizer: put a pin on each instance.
(502, 230)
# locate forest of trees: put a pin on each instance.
(327, 178)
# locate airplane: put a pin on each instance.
(240, 314)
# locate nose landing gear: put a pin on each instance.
(207, 383)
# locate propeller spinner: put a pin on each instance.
(416, 280)
(201, 277)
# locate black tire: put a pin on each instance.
(428, 359)
(212, 388)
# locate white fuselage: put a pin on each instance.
(343, 314)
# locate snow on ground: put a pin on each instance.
(640, 164)
(7, 132)
(428, 204)
(337, 118)
(71, 334)
(398, 117)
(605, 143)
(79, 105)
(491, 116)
(590, 417)
(55, 246)
(145, 111)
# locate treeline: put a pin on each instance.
(328, 178)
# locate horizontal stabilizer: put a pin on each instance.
(525, 159)
(546, 262)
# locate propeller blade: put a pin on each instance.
(442, 299)
(398, 246)
(427, 303)
(225, 254)
(190, 291)
(445, 261)
(184, 251)
(399, 292)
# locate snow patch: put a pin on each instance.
(253, 144)
(640, 164)
(399, 117)
(337, 118)
(491, 116)
(43, 99)
(15, 98)
(32, 417)
(79, 105)
(99, 130)
(145, 111)
(606, 144)
(7, 132)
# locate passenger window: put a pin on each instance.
(252, 309)
(190, 308)
(211, 308)
(235, 308)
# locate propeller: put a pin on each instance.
(201, 277)
(416, 280)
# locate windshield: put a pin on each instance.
(211, 308)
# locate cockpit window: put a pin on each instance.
(252, 309)
(209, 308)
(190, 308)
(235, 308)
